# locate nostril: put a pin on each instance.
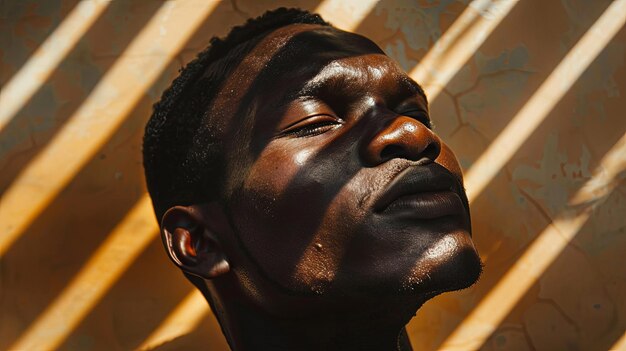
(432, 151)
(390, 151)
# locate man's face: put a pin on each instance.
(335, 182)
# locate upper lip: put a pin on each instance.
(417, 179)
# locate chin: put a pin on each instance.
(454, 272)
(450, 263)
(427, 279)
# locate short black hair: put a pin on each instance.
(182, 158)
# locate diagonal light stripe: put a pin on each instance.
(184, 319)
(494, 307)
(46, 58)
(345, 14)
(620, 345)
(99, 116)
(127, 240)
(468, 32)
(545, 98)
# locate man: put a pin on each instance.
(300, 186)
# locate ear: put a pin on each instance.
(190, 244)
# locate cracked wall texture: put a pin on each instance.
(579, 303)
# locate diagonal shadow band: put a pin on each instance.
(576, 291)
(68, 231)
(41, 26)
(182, 320)
(68, 85)
(459, 43)
(29, 75)
(105, 266)
(545, 98)
(136, 123)
(92, 124)
(541, 253)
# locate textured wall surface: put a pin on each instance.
(534, 87)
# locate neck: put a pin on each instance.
(255, 331)
(248, 327)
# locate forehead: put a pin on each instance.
(291, 59)
(297, 51)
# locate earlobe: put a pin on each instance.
(191, 245)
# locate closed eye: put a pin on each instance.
(419, 115)
(311, 126)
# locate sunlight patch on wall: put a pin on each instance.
(345, 14)
(496, 305)
(40, 65)
(519, 129)
(620, 345)
(99, 116)
(459, 43)
(120, 249)
(183, 320)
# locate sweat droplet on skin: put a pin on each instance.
(318, 246)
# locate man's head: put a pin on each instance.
(294, 161)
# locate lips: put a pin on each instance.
(426, 191)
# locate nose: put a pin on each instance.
(404, 137)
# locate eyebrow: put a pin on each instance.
(408, 83)
(341, 83)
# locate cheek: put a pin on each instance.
(277, 209)
(321, 259)
(447, 159)
(257, 202)
(294, 212)
(274, 169)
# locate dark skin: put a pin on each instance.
(341, 212)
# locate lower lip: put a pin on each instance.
(427, 205)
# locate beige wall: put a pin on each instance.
(82, 267)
